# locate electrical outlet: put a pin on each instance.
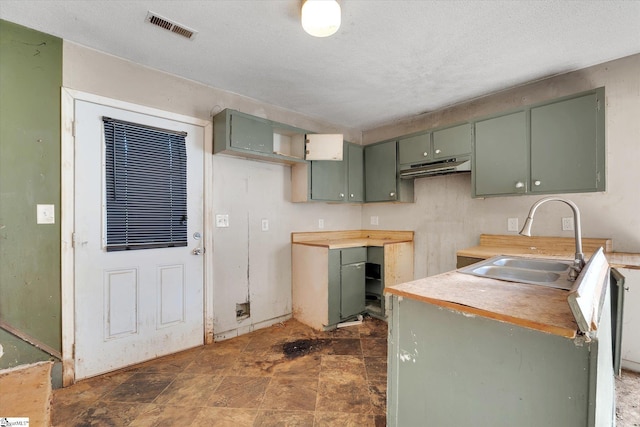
(512, 224)
(321, 224)
(222, 220)
(567, 224)
(374, 220)
(265, 224)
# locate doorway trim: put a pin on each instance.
(67, 217)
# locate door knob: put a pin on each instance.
(197, 251)
(537, 183)
(392, 194)
(519, 184)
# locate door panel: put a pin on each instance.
(564, 146)
(132, 305)
(500, 155)
(352, 290)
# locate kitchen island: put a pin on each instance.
(467, 350)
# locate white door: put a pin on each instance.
(132, 305)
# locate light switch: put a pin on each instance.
(222, 220)
(45, 214)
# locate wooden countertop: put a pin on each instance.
(351, 238)
(531, 306)
(547, 247)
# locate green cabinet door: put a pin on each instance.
(451, 142)
(352, 290)
(328, 180)
(250, 133)
(380, 169)
(355, 171)
(415, 149)
(501, 155)
(567, 149)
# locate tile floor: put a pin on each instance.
(335, 378)
(285, 375)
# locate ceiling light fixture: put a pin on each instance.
(321, 18)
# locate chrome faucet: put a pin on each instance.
(578, 261)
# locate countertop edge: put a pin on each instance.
(542, 327)
(616, 259)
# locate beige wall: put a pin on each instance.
(255, 264)
(248, 263)
(445, 217)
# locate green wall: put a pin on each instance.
(30, 80)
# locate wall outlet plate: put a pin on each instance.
(222, 220)
(321, 224)
(567, 224)
(374, 220)
(265, 224)
(512, 224)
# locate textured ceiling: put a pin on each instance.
(389, 60)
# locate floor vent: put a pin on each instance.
(169, 25)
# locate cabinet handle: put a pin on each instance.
(519, 184)
(351, 195)
(537, 183)
(425, 154)
(392, 194)
(341, 195)
(438, 151)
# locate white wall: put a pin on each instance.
(249, 264)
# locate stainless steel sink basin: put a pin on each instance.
(532, 264)
(544, 272)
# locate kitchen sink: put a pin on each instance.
(543, 272)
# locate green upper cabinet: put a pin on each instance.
(242, 135)
(415, 149)
(355, 173)
(452, 142)
(500, 155)
(330, 180)
(550, 148)
(567, 145)
(382, 181)
(250, 133)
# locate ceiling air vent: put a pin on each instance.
(170, 25)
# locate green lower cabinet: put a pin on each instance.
(352, 285)
(447, 368)
(346, 283)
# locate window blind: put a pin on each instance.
(146, 186)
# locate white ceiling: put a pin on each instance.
(389, 60)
